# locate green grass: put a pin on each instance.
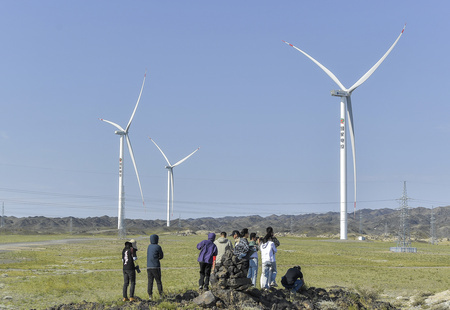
(46, 276)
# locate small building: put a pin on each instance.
(401, 249)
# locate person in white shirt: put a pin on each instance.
(268, 250)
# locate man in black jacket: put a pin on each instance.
(293, 279)
(154, 255)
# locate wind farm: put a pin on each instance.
(262, 113)
(276, 149)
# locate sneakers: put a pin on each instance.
(206, 288)
(273, 284)
(125, 299)
(132, 299)
(200, 288)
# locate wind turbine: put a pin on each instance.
(346, 110)
(123, 134)
(170, 181)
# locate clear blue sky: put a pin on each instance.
(220, 78)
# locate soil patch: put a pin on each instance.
(251, 298)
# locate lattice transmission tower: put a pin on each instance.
(360, 222)
(433, 228)
(404, 237)
(2, 223)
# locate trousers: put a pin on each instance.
(129, 278)
(154, 274)
(205, 272)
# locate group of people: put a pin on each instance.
(246, 247)
(154, 255)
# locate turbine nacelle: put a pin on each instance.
(340, 93)
(120, 132)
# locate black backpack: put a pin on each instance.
(249, 253)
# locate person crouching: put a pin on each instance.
(293, 279)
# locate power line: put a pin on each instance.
(96, 197)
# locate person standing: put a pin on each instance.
(268, 251)
(270, 236)
(236, 236)
(223, 244)
(134, 250)
(253, 262)
(241, 246)
(205, 258)
(293, 279)
(154, 255)
(129, 273)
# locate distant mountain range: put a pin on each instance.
(380, 223)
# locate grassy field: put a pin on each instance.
(91, 270)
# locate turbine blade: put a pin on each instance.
(172, 184)
(372, 70)
(137, 103)
(130, 149)
(330, 74)
(114, 124)
(185, 158)
(352, 138)
(167, 160)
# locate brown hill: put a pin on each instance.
(380, 222)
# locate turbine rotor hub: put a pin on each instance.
(340, 93)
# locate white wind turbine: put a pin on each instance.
(170, 181)
(346, 109)
(123, 133)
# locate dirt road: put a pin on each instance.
(36, 244)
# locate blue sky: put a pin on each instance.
(220, 78)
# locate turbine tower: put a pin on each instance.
(346, 116)
(123, 134)
(170, 181)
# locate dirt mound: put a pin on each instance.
(252, 298)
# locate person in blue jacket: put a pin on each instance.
(205, 258)
(154, 255)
